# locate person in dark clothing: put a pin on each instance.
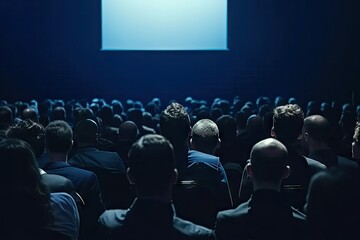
(152, 215)
(267, 214)
(316, 132)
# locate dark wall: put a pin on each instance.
(307, 49)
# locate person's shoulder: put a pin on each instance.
(238, 212)
(315, 165)
(113, 218)
(62, 198)
(187, 230)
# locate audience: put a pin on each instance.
(328, 136)
(152, 215)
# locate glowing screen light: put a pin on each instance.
(164, 25)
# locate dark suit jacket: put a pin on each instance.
(329, 158)
(149, 219)
(267, 215)
(87, 185)
(92, 159)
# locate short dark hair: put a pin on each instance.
(288, 121)
(31, 132)
(86, 131)
(318, 127)
(151, 161)
(268, 159)
(6, 115)
(175, 123)
(58, 136)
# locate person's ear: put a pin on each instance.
(286, 172)
(191, 143)
(249, 170)
(306, 136)
(300, 136)
(218, 144)
(273, 132)
(174, 177)
(130, 176)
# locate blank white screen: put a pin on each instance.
(164, 24)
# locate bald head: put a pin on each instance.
(205, 136)
(317, 127)
(268, 159)
(30, 113)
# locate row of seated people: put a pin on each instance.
(199, 165)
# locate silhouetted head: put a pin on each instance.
(128, 132)
(58, 137)
(151, 165)
(31, 132)
(6, 117)
(205, 136)
(59, 113)
(30, 113)
(175, 124)
(227, 127)
(317, 128)
(288, 121)
(86, 132)
(268, 162)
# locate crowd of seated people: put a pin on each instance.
(189, 169)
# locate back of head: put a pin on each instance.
(288, 121)
(175, 123)
(59, 113)
(254, 124)
(31, 132)
(268, 160)
(6, 116)
(86, 131)
(58, 137)
(205, 136)
(25, 199)
(227, 127)
(30, 113)
(128, 132)
(135, 115)
(317, 127)
(151, 162)
(333, 210)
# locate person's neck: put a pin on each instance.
(85, 145)
(267, 186)
(165, 197)
(316, 146)
(57, 157)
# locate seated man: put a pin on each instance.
(267, 215)
(316, 132)
(107, 166)
(58, 139)
(152, 215)
(203, 144)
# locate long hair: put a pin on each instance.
(25, 207)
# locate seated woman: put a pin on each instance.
(28, 210)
